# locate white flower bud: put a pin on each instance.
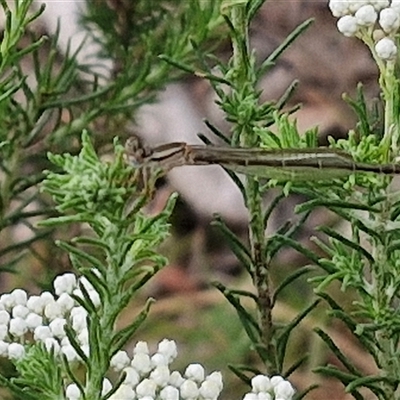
(20, 311)
(124, 392)
(386, 49)
(146, 387)
(33, 321)
(209, 390)
(261, 383)
(119, 361)
(176, 379)
(16, 351)
(142, 363)
(72, 392)
(396, 5)
(366, 16)
(57, 327)
(41, 333)
(141, 347)
(348, 25)
(4, 317)
(160, 375)
(168, 349)
(189, 390)
(389, 20)
(19, 297)
(132, 377)
(64, 283)
(18, 327)
(195, 372)
(169, 393)
(339, 8)
(66, 302)
(284, 390)
(355, 5)
(36, 304)
(52, 310)
(380, 4)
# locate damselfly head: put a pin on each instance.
(136, 152)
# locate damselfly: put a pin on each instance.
(316, 163)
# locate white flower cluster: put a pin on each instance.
(379, 18)
(274, 388)
(42, 319)
(149, 377)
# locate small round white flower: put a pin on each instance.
(7, 301)
(132, 377)
(120, 360)
(380, 4)
(195, 372)
(52, 310)
(176, 379)
(366, 15)
(4, 317)
(169, 393)
(209, 390)
(79, 315)
(47, 297)
(36, 304)
(64, 283)
(355, 5)
(189, 390)
(142, 363)
(66, 302)
(146, 387)
(261, 383)
(124, 392)
(168, 349)
(160, 375)
(339, 8)
(386, 49)
(57, 327)
(216, 377)
(16, 351)
(72, 392)
(158, 359)
(348, 25)
(396, 5)
(20, 311)
(141, 347)
(33, 320)
(18, 327)
(284, 390)
(389, 20)
(4, 348)
(19, 297)
(41, 333)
